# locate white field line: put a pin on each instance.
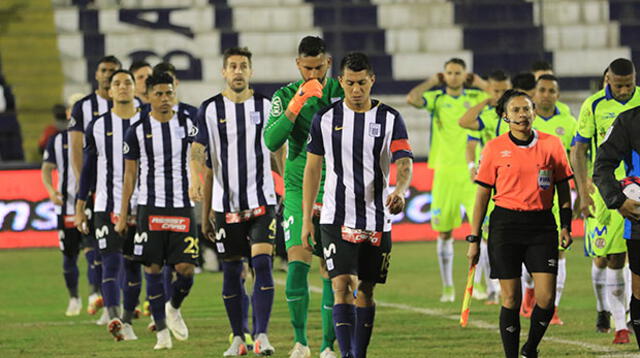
(485, 325)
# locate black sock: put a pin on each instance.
(510, 332)
(635, 317)
(540, 319)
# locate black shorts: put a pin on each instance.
(633, 252)
(108, 239)
(368, 262)
(70, 240)
(236, 239)
(89, 240)
(166, 236)
(517, 237)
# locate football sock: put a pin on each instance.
(70, 272)
(599, 281)
(560, 279)
(181, 289)
(344, 318)
(168, 281)
(540, 319)
(91, 271)
(110, 288)
(326, 310)
(510, 331)
(445, 260)
(297, 293)
(246, 303)
(131, 289)
(635, 317)
(364, 327)
(155, 295)
(98, 270)
(232, 294)
(263, 292)
(616, 293)
(627, 284)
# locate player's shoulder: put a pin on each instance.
(287, 90)
(438, 91)
(257, 96)
(548, 139)
(99, 119)
(333, 106)
(210, 100)
(474, 93)
(629, 116)
(598, 96)
(387, 108)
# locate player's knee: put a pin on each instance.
(185, 269)
(298, 253)
(342, 288)
(261, 263)
(153, 269)
(616, 261)
(365, 293)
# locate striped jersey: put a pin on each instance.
(186, 108)
(358, 149)
(241, 162)
(57, 152)
(89, 108)
(162, 150)
(104, 160)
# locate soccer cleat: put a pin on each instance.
(95, 304)
(448, 294)
(115, 328)
(163, 340)
(479, 291)
(248, 340)
(137, 313)
(261, 346)
(74, 307)
(603, 322)
(527, 353)
(555, 320)
(237, 348)
(492, 298)
(176, 323)
(622, 337)
(127, 332)
(328, 353)
(104, 318)
(300, 351)
(146, 308)
(528, 302)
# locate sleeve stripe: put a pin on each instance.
(565, 179)
(400, 144)
(483, 184)
(581, 139)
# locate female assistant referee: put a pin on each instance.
(522, 168)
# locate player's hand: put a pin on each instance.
(565, 238)
(587, 207)
(311, 88)
(207, 230)
(473, 253)
(308, 232)
(121, 225)
(469, 81)
(81, 222)
(473, 171)
(439, 78)
(395, 202)
(55, 197)
(195, 191)
(630, 209)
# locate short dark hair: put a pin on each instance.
(163, 67)
(158, 78)
(622, 67)
(524, 81)
(356, 62)
(311, 46)
(498, 76)
(547, 78)
(457, 61)
(113, 75)
(136, 65)
(110, 59)
(501, 106)
(236, 51)
(541, 65)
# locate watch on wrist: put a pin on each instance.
(472, 238)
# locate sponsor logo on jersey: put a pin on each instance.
(169, 223)
(276, 107)
(560, 131)
(125, 148)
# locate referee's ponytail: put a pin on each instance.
(501, 107)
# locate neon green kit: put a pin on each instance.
(603, 233)
(452, 186)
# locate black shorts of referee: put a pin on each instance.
(517, 237)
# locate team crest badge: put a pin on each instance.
(544, 179)
(467, 105)
(193, 131)
(375, 129)
(72, 122)
(255, 117)
(560, 131)
(125, 148)
(600, 243)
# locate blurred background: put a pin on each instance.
(49, 48)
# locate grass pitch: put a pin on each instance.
(410, 320)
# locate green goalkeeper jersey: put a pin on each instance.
(280, 129)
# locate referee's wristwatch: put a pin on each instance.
(473, 238)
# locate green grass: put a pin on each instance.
(33, 300)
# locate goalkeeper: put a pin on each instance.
(292, 109)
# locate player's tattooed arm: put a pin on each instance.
(197, 166)
(395, 200)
